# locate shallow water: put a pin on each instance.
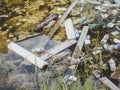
(17, 66)
(117, 1)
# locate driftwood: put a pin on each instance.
(45, 21)
(58, 48)
(27, 55)
(58, 23)
(108, 83)
(80, 43)
(60, 56)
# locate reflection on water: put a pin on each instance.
(17, 72)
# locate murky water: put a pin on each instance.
(18, 67)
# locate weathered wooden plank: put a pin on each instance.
(58, 48)
(108, 83)
(69, 29)
(58, 23)
(27, 55)
(80, 43)
(45, 21)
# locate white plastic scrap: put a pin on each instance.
(97, 52)
(69, 78)
(116, 40)
(104, 16)
(115, 32)
(73, 78)
(112, 64)
(36, 50)
(110, 25)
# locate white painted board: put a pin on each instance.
(69, 29)
(27, 55)
(58, 48)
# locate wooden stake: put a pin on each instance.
(80, 43)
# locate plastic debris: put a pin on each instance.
(105, 39)
(112, 64)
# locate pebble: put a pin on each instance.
(11, 35)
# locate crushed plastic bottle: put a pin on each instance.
(105, 39)
(109, 47)
(112, 64)
(117, 46)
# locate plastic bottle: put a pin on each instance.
(77, 33)
(112, 64)
(117, 46)
(105, 39)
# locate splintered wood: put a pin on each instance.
(27, 55)
(58, 48)
(80, 43)
(108, 83)
(69, 29)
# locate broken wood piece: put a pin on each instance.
(45, 21)
(50, 24)
(56, 58)
(27, 55)
(69, 29)
(108, 83)
(58, 48)
(79, 45)
(58, 23)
